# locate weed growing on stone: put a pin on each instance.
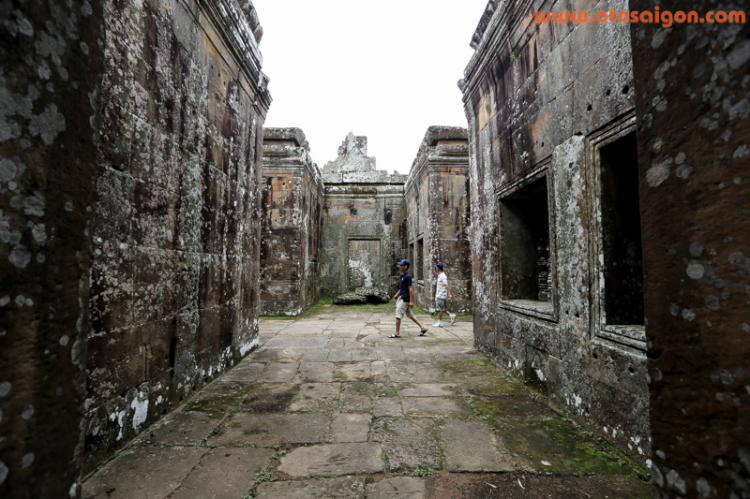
(386, 462)
(329, 475)
(423, 472)
(264, 476)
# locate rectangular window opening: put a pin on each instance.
(419, 264)
(621, 233)
(525, 244)
(411, 256)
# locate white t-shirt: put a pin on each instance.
(442, 282)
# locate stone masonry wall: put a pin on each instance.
(364, 224)
(437, 200)
(176, 216)
(549, 107)
(49, 55)
(292, 216)
(692, 88)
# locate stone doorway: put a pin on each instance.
(364, 264)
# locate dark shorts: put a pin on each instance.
(440, 305)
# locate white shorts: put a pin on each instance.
(403, 309)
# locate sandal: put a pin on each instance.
(423, 332)
(395, 336)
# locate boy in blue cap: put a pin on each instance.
(442, 292)
(405, 300)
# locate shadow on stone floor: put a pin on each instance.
(328, 406)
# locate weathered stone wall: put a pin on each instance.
(49, 55)
(437, 201)
(694, 147)
(292, 216)
(364, 224)
(176, 216)
(550, 109)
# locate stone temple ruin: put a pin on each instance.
(593, 215)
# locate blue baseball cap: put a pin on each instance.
(439, 265)
(404, 262)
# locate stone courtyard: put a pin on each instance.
(329, 406)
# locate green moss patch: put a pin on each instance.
(555, 446)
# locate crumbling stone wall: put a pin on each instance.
(176, 219)
(292, 216)
(694, 146)
(364, 225)
(437, 201)
(551, 122)
(47, 167)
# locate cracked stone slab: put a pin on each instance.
(143, 472)
(316, 397)
(181, 428)
(409, 444)
(350, 428)
(340, 459)
(470, 446)
(398, 488)
(224, 473)
(245, 429)
(320, 488)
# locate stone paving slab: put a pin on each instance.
(322, 488)
(316, 371)
(387, 406)
(224, 473)
(433, 406)
(181, 428)
(409, 444)
(398, 488)
(471, 446)
(316, 397)
(244, 372)
(279, 373)
(245, 429)
(347, 428)
(143, 473)
(339, 459)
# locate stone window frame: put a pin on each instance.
(547, 312)
(629, 337)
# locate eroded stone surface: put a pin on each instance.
(224, 473)
(471, 446)
(333, 458)
(398, 488)
(343, 488)
(153, 472)
(243, 429)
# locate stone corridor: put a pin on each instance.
(328, 406)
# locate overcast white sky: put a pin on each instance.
(386, 69)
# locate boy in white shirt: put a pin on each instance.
(442, 292)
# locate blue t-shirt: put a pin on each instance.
(403, 286)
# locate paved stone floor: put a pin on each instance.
(328, 406)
